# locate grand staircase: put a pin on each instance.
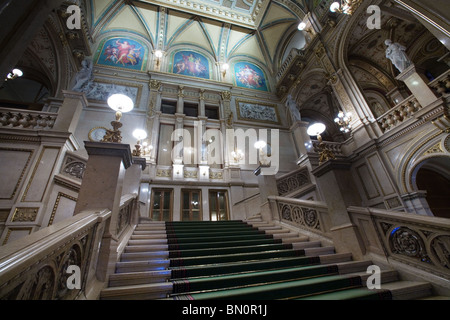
(248, 260)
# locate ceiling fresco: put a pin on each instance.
(167, 24)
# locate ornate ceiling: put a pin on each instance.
(226, 29)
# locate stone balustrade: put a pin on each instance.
(334, 147)
(415, 240)
(293, 181)
(37, 267)
(400, 113)
(25, 119)
(441, 85)
(311, 216)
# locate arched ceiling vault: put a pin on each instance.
(226, 29)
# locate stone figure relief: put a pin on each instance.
(84, 82)
(84, 75)
(295, 114)
(396, 53)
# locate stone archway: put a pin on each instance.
(433, 177)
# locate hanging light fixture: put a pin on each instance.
(345, 6)
(343, 120)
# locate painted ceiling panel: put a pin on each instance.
(175, 21)
(273, 35)
(214, 30)
(150, 18)
(194, 35)
(126, 19)
(275, 13)
(250, 48)
(99, 7)
(236, 36)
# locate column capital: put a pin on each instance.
(110, 149)
(140, 161)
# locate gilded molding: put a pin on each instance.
(24, 214)
(55, 206)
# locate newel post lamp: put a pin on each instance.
(140, 135)
(121, 104)
(316, 129)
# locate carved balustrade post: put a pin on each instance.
(338, 191)
(102, 188)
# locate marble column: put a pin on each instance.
(267, 187)
(101, 189)
(70, 111)
(338, 191)
(180, 102)
(416, 82)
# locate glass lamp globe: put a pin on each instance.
(301, 26)
(316, 129)
(260, 144)
(335, 6)
(158, 53)
(140, 134)
(120, 102)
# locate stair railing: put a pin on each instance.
(411, 239)
(55, 263)
(310, 216)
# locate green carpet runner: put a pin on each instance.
(233, 260)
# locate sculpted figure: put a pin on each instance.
(396, 53)
(295, 114)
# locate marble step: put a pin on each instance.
(306, 244)
(318, 251)
(140, 266)
(135, 278)
(298, 239)
(408, 290)
(146, 248)
(146, 242)
(150, 291)
(144, 255)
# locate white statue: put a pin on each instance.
(396, 53)
(295, 114)
(83, 76)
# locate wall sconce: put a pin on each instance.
(317, 129)
(346, 6)
(140, 135)
(121, 104)
(16, 73)
(225, 68)
(158, 55)
(343, 120)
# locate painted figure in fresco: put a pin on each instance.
(396, 53)
(123, 53)
(190, 65)
(249, 77)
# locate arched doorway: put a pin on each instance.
(434, 177)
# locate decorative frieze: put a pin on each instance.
(293, 182)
